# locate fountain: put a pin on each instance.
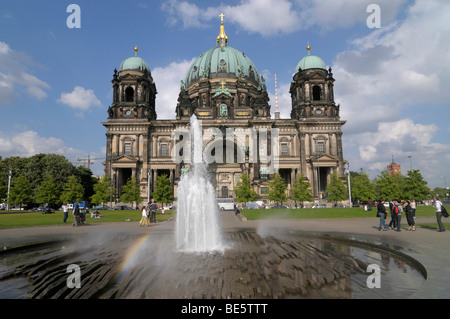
(197, 221)
(203, 259)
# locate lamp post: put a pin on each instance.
(9, 185)
(349, 186)
(148, 184)
(445, 186)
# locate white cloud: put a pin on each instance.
(14, 76)
(190, 15)
(397, 67)
(254, 15)
(168, 83)
(329, 14)
(272, 17)
(80, 99)
(28, 143)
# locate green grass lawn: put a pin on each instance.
(15, 219)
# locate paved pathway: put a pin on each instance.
(429, 247)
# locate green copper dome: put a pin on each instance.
(134, 63)
(223, 61)
(310, 62)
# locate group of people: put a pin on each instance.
(79, 215)
(148, 214)
(396, 208)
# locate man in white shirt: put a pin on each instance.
(437, 207)
(65, 209)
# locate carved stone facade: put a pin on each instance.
(229, 97)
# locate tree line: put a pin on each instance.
(52, 179)
(44, 179)
(384, 186)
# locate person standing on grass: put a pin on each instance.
(65, 209)
(413, 208)
(438, 208)
(381, 212)
(393, 210)
(76, 215)
(153, 208)
(399, 215)
(144, 219)
(409, 216)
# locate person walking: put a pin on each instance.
(409, 216)
(65, 209)
(153, 208)
(438, 208)
(381, 212)
(144, 219)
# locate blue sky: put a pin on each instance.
(391, 82)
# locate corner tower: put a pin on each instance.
(312, 89)
(318, 122)
(130, 117)
(134, 92)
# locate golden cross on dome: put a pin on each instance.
(223, 84)
(222, 39)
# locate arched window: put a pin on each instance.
(316, 93)
(129, 94)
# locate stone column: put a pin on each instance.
(303, 153)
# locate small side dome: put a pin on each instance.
(134, 63)
(310, 62)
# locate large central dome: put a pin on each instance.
(222, 61)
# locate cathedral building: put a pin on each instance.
(225, 91)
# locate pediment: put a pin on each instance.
(324, 159)
(125, 159)
(128, 76)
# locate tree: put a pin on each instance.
(163, 191)
(440, 191)
(301, 190)
(48, 192)
(361, 186)
(386, 187)
(86, 179)
(102, 191)
(277, 189)
(20, 192)
(336, 189)
(244, 191)
(415, 187)
(73, 191)
(131, 192)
